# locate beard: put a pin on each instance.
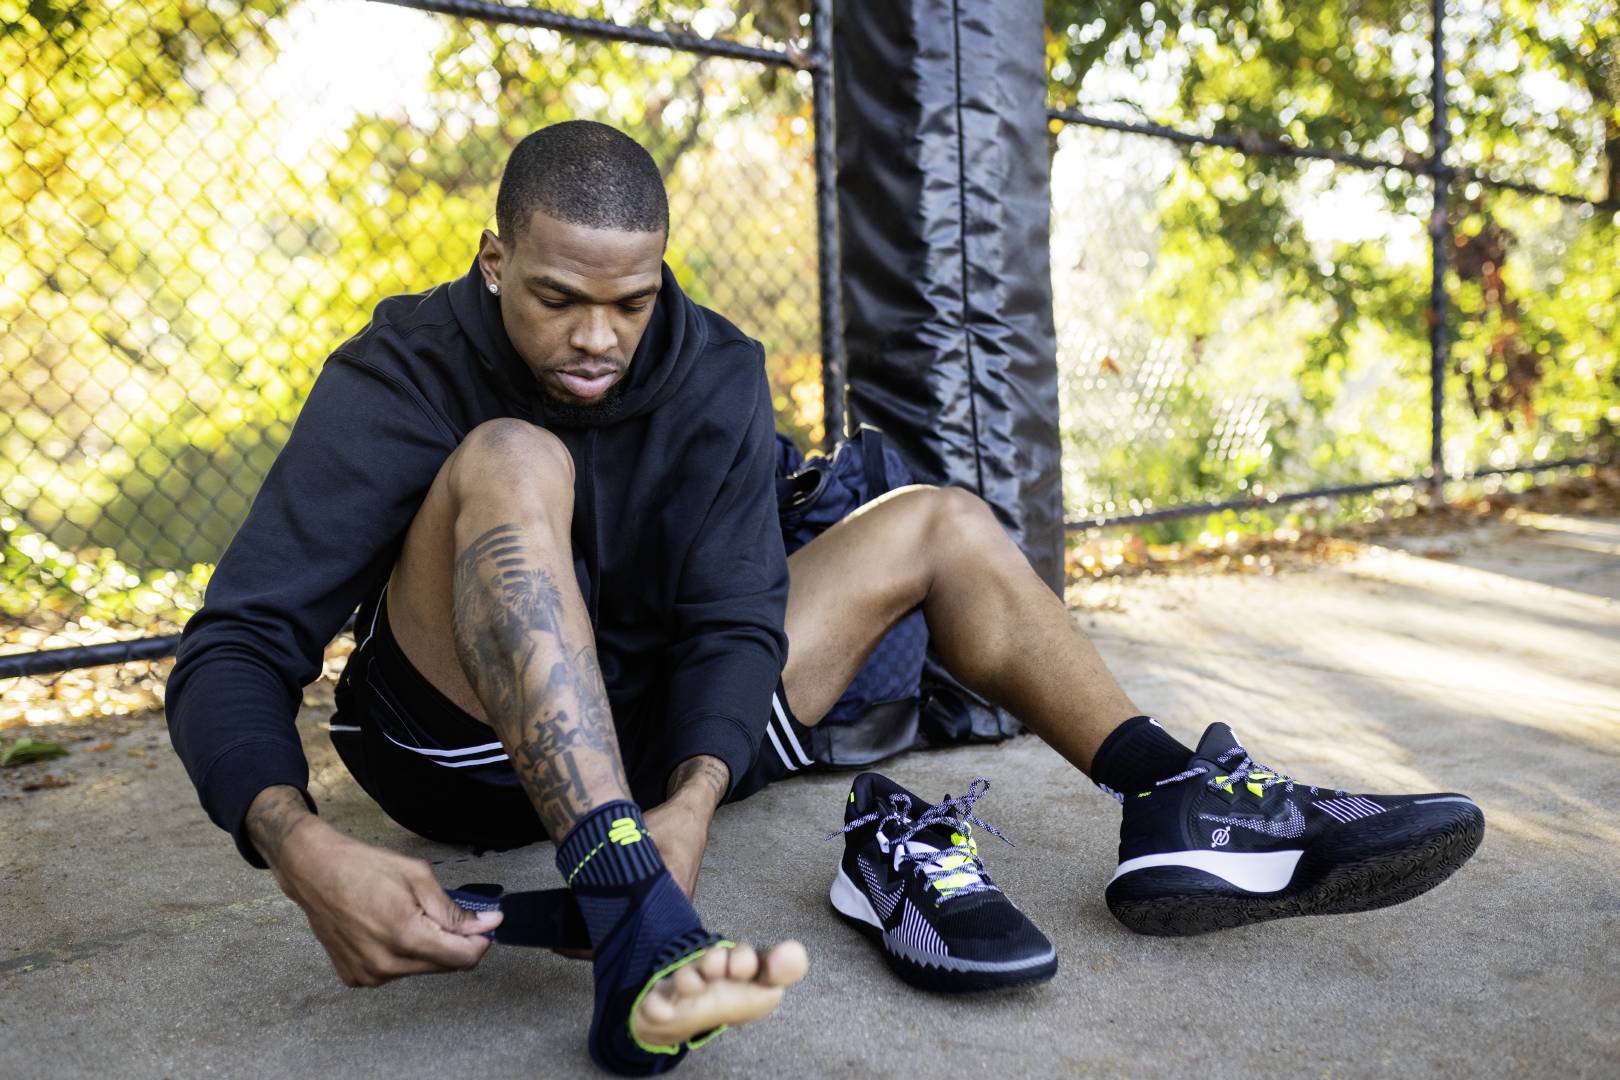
(596, 414)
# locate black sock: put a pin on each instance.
(1135, 756)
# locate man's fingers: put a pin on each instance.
(449, 915)
(385, 969)
(444, 950)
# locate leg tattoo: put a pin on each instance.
(510, 620)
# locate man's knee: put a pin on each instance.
(515, 461)
(956, 517)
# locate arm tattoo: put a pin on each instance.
(708, 774)
(508, 615)
(272, 817)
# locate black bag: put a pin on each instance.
(901, 697)
(877, 715)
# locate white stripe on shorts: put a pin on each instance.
(482, 748)
(787, 729)
(781, 753)
(372, 630)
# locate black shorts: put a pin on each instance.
(444, 775)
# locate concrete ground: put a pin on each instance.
(1487, 661)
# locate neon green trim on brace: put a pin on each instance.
(585, 860)
(707, 1037)
(635, 1006)
(624, 832)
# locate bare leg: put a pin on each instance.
(488, 566)
(994, 623)
(525, 642)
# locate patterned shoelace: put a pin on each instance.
(937, 866)
(1264, 775)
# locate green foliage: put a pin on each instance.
(178, 258)
(1312, 284)
(48, 584)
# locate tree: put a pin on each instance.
(1242, 256)
(175, 274)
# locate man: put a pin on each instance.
(548, 488)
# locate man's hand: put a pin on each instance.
(378, 915)
(680, 825)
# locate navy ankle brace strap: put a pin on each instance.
(538, 918)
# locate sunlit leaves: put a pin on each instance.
(1334, 265)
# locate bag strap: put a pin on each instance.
(874, 461)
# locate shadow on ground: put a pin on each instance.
(1487, 662)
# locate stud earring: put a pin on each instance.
(494, 288)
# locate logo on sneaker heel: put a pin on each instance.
(1220, 837)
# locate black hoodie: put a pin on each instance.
(676, 543)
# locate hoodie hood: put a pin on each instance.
(674, 339)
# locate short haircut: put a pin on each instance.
(585, 173)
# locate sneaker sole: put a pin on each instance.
(961, 977)
(1362, 872)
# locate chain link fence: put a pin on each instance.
(202, 200)
(1341, 250)
(1272, 277)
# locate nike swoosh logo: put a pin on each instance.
(1287, 827)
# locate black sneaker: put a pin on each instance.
(912, 880)
(1229, 842)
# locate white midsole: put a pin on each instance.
(1251, 871)
(851, 901)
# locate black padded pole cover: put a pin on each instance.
(943, 204)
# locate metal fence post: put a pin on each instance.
(829, 260)
(1440, 240)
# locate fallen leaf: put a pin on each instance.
(99, 747)
(25, 750)
(136, 751)
(49, 780)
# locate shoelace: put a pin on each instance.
(1248, 767)
(955, 812)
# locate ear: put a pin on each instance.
(491, 254)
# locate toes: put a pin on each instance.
(688, 982)
(657, 1009)
(743, 963)
(723, 987)
(712, 964)
(784, 965)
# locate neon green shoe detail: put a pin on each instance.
(635, 1006)
(624, 832)
(950, 883)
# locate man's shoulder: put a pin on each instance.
(401, 326)
(724, 340)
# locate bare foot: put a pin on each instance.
(724, 986)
